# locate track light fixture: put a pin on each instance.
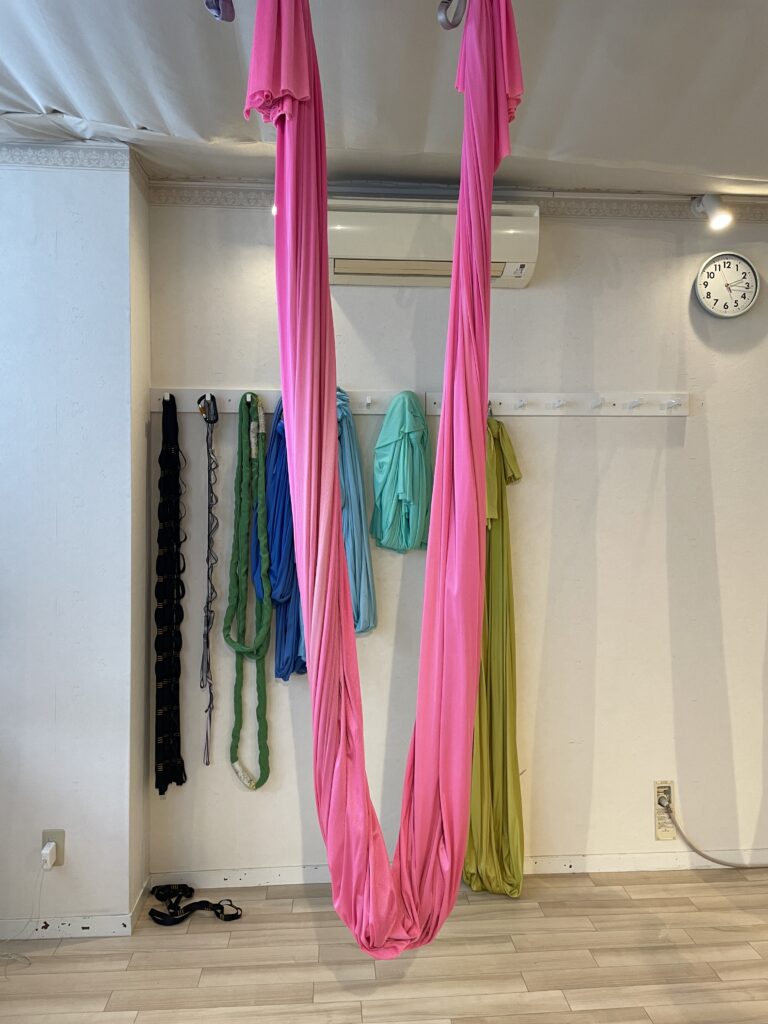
(713, 208)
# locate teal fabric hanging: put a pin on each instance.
(354, 520)
(402, 477)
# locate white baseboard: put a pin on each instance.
(85, 926)
(664, 860)
(102, 925)
(221, 878)
(677, 859)
(81, 926)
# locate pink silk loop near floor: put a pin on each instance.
(388, 908)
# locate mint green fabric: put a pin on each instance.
(402, 477)
(494, 859)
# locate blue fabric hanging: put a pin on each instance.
(354, 520)
(289, 632)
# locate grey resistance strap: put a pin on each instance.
(210, 413)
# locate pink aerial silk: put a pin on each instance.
(389, 908)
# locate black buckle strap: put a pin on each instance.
(175, 913)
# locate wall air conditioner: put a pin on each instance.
(410, 242)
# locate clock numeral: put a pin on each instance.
(743, 274)
(736, 304)
(709, 295)
(725, 305)
(711, 275)
(716, 302)
(744, 295)
(727, 264)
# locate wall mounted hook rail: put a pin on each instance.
(603, 404)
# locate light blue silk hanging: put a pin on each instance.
(289, 634)
(402, 477)
(354, 520)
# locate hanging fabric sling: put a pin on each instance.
(354, 521)
(169, 591)
(250, 504)
(494, 860)
(289, 639)
(210, 413)
(402, 477)
(388, 907)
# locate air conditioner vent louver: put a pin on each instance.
(406, 243)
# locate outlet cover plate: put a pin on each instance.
(665, 829)
(55, 835)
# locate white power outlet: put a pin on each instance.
(55, 835)
(665, 828)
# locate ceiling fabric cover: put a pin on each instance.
(620, 94)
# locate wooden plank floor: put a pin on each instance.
(673, 947)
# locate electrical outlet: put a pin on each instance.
(665, 829)
(55, 835)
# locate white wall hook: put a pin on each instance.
(521, 403)
(166, 396)
(672, 403)
(559, 403)
(635, 403)
(368, 401)
(596, 403)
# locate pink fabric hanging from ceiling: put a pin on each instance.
(388, 908)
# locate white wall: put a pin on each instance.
(640, 546)
(66, 555)
(140, 539)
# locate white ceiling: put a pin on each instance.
(620, 94)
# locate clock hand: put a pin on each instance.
(726, 283)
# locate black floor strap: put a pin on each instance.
(175, 913)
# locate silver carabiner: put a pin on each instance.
(444, 17)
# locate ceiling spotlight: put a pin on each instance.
(712, 207)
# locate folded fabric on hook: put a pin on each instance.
(289, 642)
(402, 477)
(354, 520)
(494, 860)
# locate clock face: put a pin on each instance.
(727, 285)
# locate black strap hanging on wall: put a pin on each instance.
(210, 413)
(169, 591)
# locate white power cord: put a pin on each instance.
(7, 959)
(665, 804)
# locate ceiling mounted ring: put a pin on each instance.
(444, 17)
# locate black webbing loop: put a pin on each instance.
(169, 591)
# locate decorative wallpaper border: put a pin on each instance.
(65, 156)
(259, 196)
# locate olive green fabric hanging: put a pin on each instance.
(250, 496)
(494, 859)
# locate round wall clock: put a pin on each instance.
(727, 284)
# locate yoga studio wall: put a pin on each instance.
(638, 544)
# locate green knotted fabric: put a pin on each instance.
(402, 477)
(494, 859)
(250, 503)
